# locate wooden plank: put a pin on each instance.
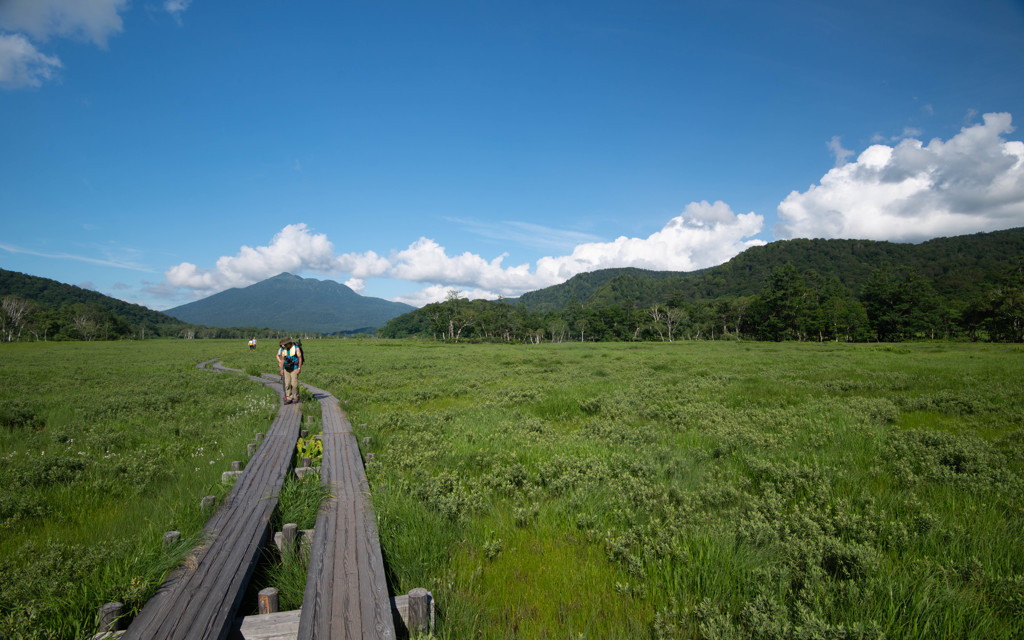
(346, 591)
(283, 625)
(199, 600)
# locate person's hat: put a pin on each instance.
(285, 341)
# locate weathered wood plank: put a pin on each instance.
(346, 591)
(274, 626)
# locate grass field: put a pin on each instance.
(103, 448)
(692, 490)
(714, 490)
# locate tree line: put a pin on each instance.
(895, 303)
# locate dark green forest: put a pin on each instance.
(967, 287)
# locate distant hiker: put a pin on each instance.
(252, 344)
(289, 357)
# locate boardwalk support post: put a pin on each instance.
(110, 617)
(419, 611)
(268, 600)
(206, 502)
(236, 465)
(291, 534)
(250, 449)
(171, 538)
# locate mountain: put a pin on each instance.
(291, 303)
(958, 268)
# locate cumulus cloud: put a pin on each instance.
(703, 235)
(22, 65)
(911, 192)
(427, 261)
(355, 284)
(292, 250)
(91, 20)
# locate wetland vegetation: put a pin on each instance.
(613, 490)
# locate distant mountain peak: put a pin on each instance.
(291, 303)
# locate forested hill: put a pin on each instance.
(958, 268)
(854, 290)
(53, 310)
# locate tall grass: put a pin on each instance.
(103, 448)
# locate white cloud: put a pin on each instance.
(91, 20)
(22, 65)
(176, 8)
(911, 192)
(704, 235)
(362, 265)
(908, 132)
(439, 292)
(294, 249)
(427, 261)
(355, 284)
(838, 151)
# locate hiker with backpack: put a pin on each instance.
(289, 357)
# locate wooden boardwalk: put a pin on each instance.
(346, 591)
(199, 600)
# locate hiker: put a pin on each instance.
(252, 344)
(289, 357)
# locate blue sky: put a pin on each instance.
(160, 151)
